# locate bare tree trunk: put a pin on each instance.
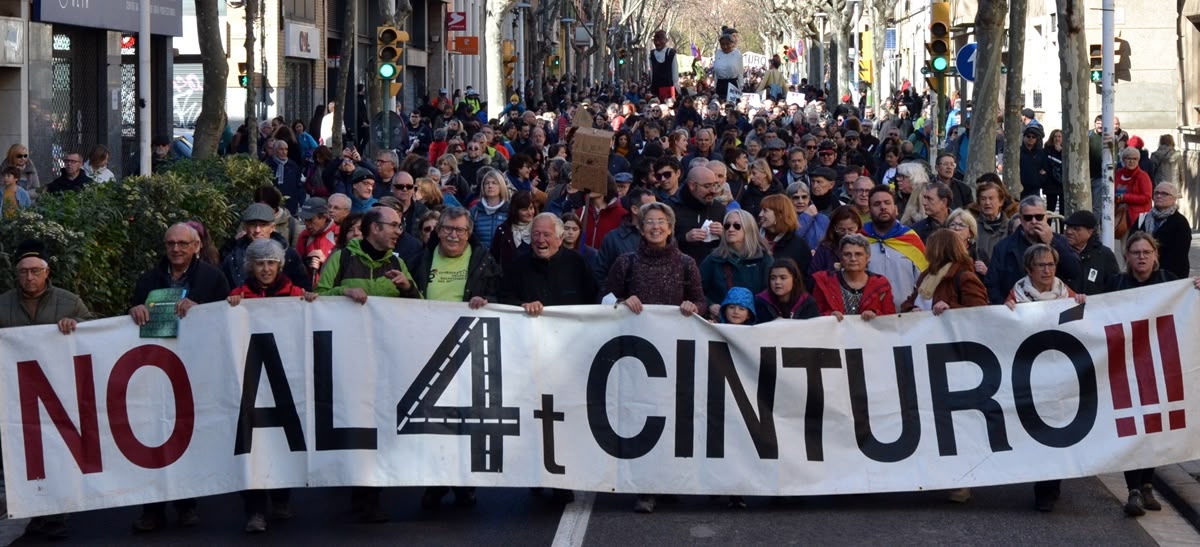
(1075, 80)
(1014, 97)
(251, 92)
(212, 117)
(349, 37)
(989, 32)
(881, 11)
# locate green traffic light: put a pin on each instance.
(1097, 76)
(620, 61)
(940, 63)
(387, 71)
(244, 80)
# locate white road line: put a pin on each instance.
(1167, 527)
(572, 527)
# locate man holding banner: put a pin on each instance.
(35, 302)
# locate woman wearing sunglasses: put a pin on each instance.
(741, 259)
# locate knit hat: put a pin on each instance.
(739, 296)
(263, 249)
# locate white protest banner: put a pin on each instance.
(755, 100)
(281, 393)
(795, 98)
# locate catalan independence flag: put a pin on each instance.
(902, 239)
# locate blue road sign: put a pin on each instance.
(965, 61)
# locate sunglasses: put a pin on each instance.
(663, 175)
(402, 187)
(22, 155)
(735, 226)
(828, 153)
(1029, 218)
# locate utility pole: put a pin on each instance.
(1107, 38)
(143, 81)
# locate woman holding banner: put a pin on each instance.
(1142, 269)
(950, 281)
(264, 279)
(657, 273)
(853, 290)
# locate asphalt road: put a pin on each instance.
(1087, 514)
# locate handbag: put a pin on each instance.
(1121, 221)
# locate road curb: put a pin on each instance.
(1178, 485)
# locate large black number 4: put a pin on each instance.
(487, 420)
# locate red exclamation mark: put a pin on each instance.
(1147, 380)
(1118, 380)
(1168, 348)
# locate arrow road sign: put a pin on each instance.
(965, 60)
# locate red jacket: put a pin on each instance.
(325, 242)
(282, 287)
(1134, 188)
(877, 294)
(436, 149)
(596, 225)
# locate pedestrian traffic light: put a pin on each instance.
(1096, 59)
(939, 37)
(390, 44)
(508, 51)
(556, 61)
(621, 55)
(243, 75)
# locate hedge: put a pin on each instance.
(104, 236)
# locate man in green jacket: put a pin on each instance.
(368, 267)
(36, 302)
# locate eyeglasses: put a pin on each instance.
(655, 222)
(1038, 217)
(1043, 265)
(22, 272)
(178, 244)
(394, 225)
(957, 226)
(1141, 253)
(457, 230)
(810, 147)
(735, 226)
(383, 160)
(405, 187)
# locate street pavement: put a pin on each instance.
(1087, 514)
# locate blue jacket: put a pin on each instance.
(719, 275)
(623, 240)
(485, 223)
(23, 201)
(1008, 264)
(289, 185)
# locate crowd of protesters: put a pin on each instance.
(735, 213)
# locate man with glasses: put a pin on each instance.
(286, 175)
(666, 178)
(860, 191)
(946, 172)
(797, 168)
(180, 268)
(404, 189)
(73, 178)
(319, 237)
(34, 301)
(339, 208)
(258, 222)
(1007, 264)
(368, 267)
(1033, 161)
(698, 215)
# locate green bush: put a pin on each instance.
(103, 237)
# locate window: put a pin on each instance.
(300, 10)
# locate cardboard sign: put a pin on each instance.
(795, 98)
(589, 159)
(733, 95)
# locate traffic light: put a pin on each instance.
(1096, 58)
(939, 37)
(243, 75)
(621, 55)
(390, 44)
(556, 61)
(509, 57)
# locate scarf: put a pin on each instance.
(521, 233)
(931, 282)
(491, 209)
(1157, 217)
(1024, 291)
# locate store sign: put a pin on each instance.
(456, 21)
(303, 41)
(166, 16)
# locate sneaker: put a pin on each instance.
(281, 511)
(737, 502)
(256, 524)
(644, 504)
(959, 495)
(1148, 499)
(149, 522)
(1135, 507)
(189, 518)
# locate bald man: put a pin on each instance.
(695, 205)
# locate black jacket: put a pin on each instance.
(1098, 265)
(1174, 237)
(233, 263)
(1007, 265)
(563, 280)
(204, 283)
(690, 213)
(483, 272)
